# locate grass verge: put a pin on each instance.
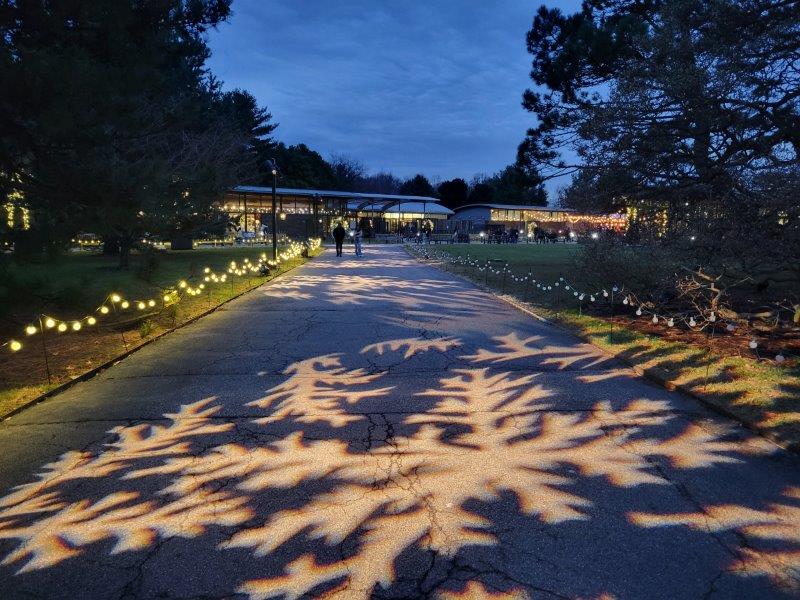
(23, 375)
(760, 394)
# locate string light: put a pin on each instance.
(294, 250)
(628, 300)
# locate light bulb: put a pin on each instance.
(30, 330)
(14, 346)
(62, 327)
(779, 358)
(753, 344)
(671, 322)
(91, 320)
(125, 304)
(104, 310)
(182, 285)
(165, 298)
(76, 326)
(655, 319)
(151, 303)
(638, 312)
(49, 323)
(692, 322)
(115, 297)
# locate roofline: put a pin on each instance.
(252, 189)
(515, 207)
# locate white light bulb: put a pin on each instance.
(655, 319)
(753, 344)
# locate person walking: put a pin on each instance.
(357, 238)
(338, 237)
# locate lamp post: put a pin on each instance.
(273, 166)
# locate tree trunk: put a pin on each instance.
(125, 245)
(110, 245)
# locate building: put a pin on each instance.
(312, 213)
(532, 220)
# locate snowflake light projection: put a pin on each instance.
(478, 435)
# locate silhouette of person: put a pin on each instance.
(338, 237)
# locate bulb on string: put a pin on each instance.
(712, 317)
(115, 297)
(626, 301)
(671, 322)
(655, 319)
(730, 327)
(779, 358)
(76, 326)
(753, 344)
(30, 330)
(605, 294)
(591, 298)
(692, 322)
(125, 304)
(91, 320)
(49, 323)
(14, 346)
(638, 312)
(104, 310)
(62, 327)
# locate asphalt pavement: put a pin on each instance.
(377, 427)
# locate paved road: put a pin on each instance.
(377, 427)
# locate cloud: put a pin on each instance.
(433, 88)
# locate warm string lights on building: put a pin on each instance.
(17, 213)
(709, 320)
(115, 303)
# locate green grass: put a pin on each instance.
(75, 284)
(23, 374)
(757, 392)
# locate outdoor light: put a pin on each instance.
(151, 303)
(115, 298)
(14, 345)
(594, 235)
(91, 320)
(76, 326)
(62, 327)
(49, 323)
(104, 310)
(30, 330)
(283, 216)
(141, 306)
(125, 304)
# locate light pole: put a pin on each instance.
(273, 166)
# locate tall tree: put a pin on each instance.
(417, 186)
(690, 97)
(348, 172)
(118, 124)
(453, 192)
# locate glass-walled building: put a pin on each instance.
(532, 220)
(313, 213)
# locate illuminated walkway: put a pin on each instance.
(378, 428)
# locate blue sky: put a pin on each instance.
(432, 87)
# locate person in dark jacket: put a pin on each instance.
(338, 237)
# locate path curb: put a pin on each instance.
(649, 374)
(110, 363)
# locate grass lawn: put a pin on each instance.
(77, 283)
(23, 375)
(722, 371)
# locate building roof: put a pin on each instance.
(514, 207)
(252, 189)
(428, 208)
